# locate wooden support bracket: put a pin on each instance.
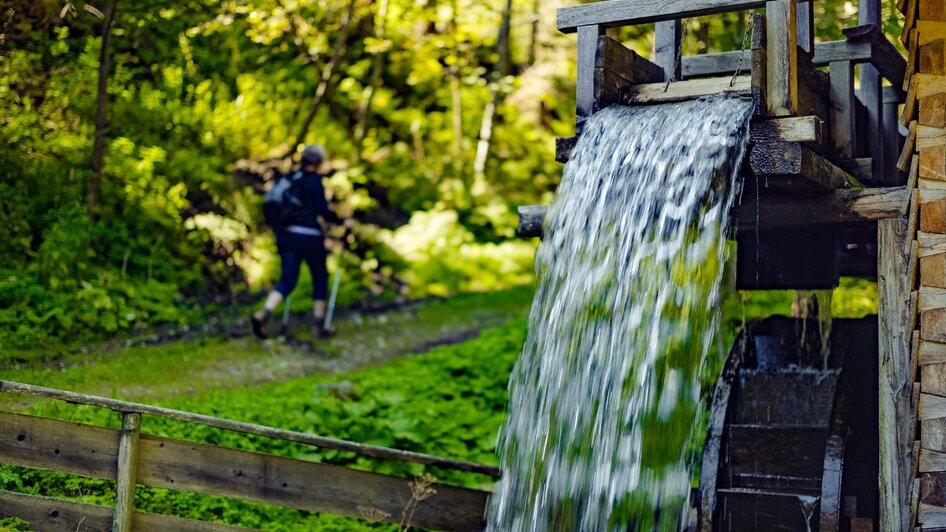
(795, 167)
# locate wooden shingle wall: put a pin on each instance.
(925, 152)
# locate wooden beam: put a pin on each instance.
(883, 55)
(45, 513)
(781, 58)
(759, 61)
(794, 166)
(610, 13)
(617, 68)
(932, 353)
(668, 37)
(843, 111)
(239, 426)
(694, 66)
(781, 211)
(804, 14)
(685, 90)
(585, 74)
(127, 472)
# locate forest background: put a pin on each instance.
(137, 138)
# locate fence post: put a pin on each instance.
(127, 472)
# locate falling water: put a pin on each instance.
(605, 397)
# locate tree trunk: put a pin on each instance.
(328, 72)
(101, 116)
(361, 125)
(534, 38)
(486, 126)
(455, 96)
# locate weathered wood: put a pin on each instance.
(933, 216)
(781, 58)
(933, 270)
(910, 102)
(668, 36)
(211, 470)
(838, 207)
(860, 168)
(796, 167)
(933, 314)
(933, 162)
(909, 146)
(685, 90)
(909, 21)
(892, 142)
(804, 14)
(883, 55)
(585, 74)
(127, 472)
(870, 95)
(625, 63)
(862, 524)
(932, 406)
(933, 517)
(45, 513)
(611, 13)
(930, 31)
(933, 57)
(933, 10)
(302, 485)
(933, 434)
(564, 147)
(246, 428)
(830, 519)
(896, 420)
(932, 352)
(913, 58)
(932, 461)
(933, 381)
(694, 66)
(933, 110)
(794, 129)
(759, 61)
(843, 111)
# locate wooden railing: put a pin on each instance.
(130, 458)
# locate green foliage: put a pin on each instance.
(448, 402)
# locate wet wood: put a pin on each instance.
(127, 472)
(768, 397)
(611, 13)
(781, 72)
(246, 428)
(768, 511)
(686, 90)
(830, 519)
(564, 147)
(531, 218)
(792, 451)
(45, 513)
(795, 167)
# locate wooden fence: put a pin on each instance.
(129, 458)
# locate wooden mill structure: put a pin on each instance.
(845, 176)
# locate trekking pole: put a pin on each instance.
(331, 298)
(285, 314)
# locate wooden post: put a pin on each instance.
(804, 12)
(871, 97)
(759, 63)
(668, 38)
(843, 111)
(892, 137)
(896, 375)
(585, 85)
(127, 472)
(781, 58)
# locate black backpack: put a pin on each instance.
(283, 204)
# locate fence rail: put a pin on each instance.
(130, 458)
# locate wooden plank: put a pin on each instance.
(871, 96)
(843, 111)
(668, 37)
(933, 110)
(933, 270)
(910, 103)
(932, 406)
(794, 129)
(892, 142)
(909, 21)
(933, 10)
(787, 162)
(932, 516)
(246, 428)
(933, 57)
(700, 65)
(895, 413)
(302, 485)
(932, 352)
(909, 145)
(610, 13)
(932, 314)
(933, 381)
(759, 63)
(933, 434)
(127, 472)
(933, 488)
(913, 58)
(73, 448)
(625, 63)
(930, 31)
(884, 56)
(685, 90)
(927, 136)
(45, 513)
(933, 162)
(781, 58)
(585, 74)
(933, 216)
(804, 14)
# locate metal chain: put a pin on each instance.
(742, 53)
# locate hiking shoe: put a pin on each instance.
(259, 321)
(319, 330)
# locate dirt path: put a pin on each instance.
(231, 358)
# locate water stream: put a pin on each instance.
(605, 399)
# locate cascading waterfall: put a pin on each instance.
(605, 399)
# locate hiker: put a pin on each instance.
(293, 207)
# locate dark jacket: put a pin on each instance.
(313, 202)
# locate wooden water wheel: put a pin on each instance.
(792, 439)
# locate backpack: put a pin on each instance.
(282, 206)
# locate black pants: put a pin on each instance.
(295, 248)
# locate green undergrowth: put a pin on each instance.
(448, 401)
